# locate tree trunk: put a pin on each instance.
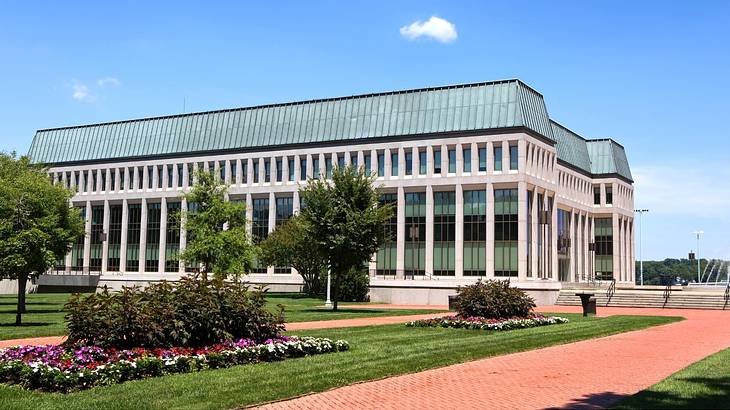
(22, 282)
(335, 289)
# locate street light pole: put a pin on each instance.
(641, 258)
(328, 302)
(698, 233)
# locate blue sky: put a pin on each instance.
(652, 75)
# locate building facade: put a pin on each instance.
(485, 185)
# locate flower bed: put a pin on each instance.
(64, 369)
(489, 324)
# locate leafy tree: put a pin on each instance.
(673, 268)
(292, 244)
(346, 220)
(218, 251)
(37, 225)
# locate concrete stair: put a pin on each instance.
(654, 298)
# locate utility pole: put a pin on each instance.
(641, 258)
(698, 233)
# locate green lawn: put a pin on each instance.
(376, 352)
(44, 316)
(703, 385)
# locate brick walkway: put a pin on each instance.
(587, 374)
(36, 341)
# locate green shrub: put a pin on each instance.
(493, 299)
(189, 313)
(354, 285)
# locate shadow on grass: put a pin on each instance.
(339, 310)
(27, 311)
(26, 324)
(686, 393)
(14, 302)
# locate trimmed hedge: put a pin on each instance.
(493, 299)
(190, 312)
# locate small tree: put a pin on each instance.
(346, 220)
(37, 225)
(292, 244)
(216, 230)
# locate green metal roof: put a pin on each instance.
(608, 157)
(571, 147)
(480, 106)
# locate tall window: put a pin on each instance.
(409, 162)
(466, 153)
(315, 167)
(244, 171)
(179, 169)
(604, 248)
(444, 233)
(112, 180)
(255, 171)
(95, 237)
(596, 195)
(436, 160)
(172, 237)
(368, 164)
(341, 160)
(234, 170)
(381, 164)
(260, 226)
(222, 170)
(279, 170)
(452, 161)
(152, 250)
(505, 232)
(159, 176)
(191, 175)
(353, 160)
(609, 195)
(284, 211)
(394, 164)
(328, 166)
(387, 254)
(475, 233)
(513, 157)
(422, 163)
(415, 240)
(564, 230)
(115, 237)
(122, 179)
(94, 178)
(530, 204)
(302, 168)
(267, 170)
(134, 224)
(77, 251)
(292, 169)
(497, 158)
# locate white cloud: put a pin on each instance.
(437, 28)
(81, 93)
(684, 189)
(108, 81)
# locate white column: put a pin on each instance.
(143, 235)
(272, 221)
(123, 241)
(183, 232)
(296, 206)
(571, 248)
(285, 169)
(429, 229)
(522, 231)
(386, 161)
(416, 161)
(490, 157)
(429, 160)
(87, 237)
(444, 160)
(535, 258)
(459, 164)
(297, 168)
(185, 175)
(401, 231)
(616, 230)
(553, 238)
(105, 243)
(249, 214)
(490, 230)
(163, 235)
(459, 231)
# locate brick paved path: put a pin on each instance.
(588, 374)
(36, 341)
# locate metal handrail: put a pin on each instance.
(611, 290)
(667, 292)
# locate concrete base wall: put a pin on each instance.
(409, 292)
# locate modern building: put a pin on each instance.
(486, 185)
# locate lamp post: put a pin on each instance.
(698, 233)
(641, 258)
(328, 302)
